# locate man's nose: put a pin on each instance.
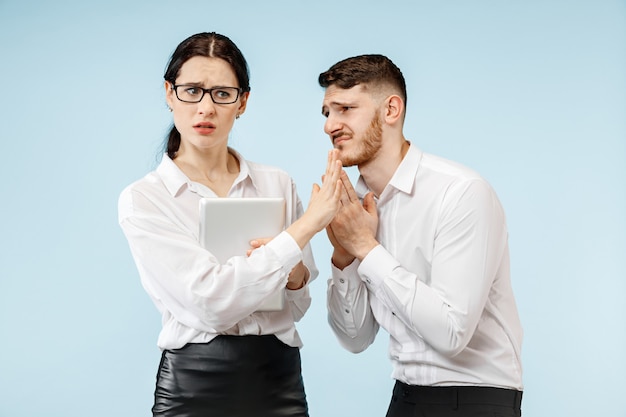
(331, 125)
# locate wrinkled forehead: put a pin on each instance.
(335, 95)
(207, 71)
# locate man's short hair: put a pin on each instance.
(370, 70)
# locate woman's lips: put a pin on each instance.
(204, 128)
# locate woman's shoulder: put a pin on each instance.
(266, 171)
(147, 183)
(270, 179)
(145, 186)
(261, 169)
(165, 178)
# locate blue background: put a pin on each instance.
(532, 94)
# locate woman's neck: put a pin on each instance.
(214, 169)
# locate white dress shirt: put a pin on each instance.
(438, 283)
(197, 297)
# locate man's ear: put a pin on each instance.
(394, 109)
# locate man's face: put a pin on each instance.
(353, 123)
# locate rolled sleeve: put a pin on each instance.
(286, 250)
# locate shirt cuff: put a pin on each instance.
(342, 277)
(377, 265)
(286, 250)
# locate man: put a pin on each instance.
(420, 249)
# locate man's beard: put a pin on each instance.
(368, 147)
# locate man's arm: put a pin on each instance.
(445, 308)
(349, 312)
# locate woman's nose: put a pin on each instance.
(206, 105)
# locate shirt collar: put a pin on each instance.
(404, 177)
(245, 172)
(175, 180)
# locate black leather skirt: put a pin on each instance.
(231, 376)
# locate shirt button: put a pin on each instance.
(347, 311)
(342, 280)
(368, 281)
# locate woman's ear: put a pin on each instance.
(394, 109)
(169, 94)
(243, 99)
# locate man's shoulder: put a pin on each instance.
(440, 166)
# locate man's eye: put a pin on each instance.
(345, 108)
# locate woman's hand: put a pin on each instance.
(298, 276)
(257, 243)
(325, 199)
(323, 205)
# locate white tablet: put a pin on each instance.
(227, 225)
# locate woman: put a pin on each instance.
(220, 357)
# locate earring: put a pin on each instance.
(170, 109)
(237, 117)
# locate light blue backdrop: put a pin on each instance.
(532, 94)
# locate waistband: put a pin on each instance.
(458, 395)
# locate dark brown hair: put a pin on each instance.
(211, 45)
(374, 70)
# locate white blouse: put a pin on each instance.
(198, 297)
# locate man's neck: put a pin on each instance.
(378, 172)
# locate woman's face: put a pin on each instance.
(205, 125)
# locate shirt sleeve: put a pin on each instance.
(187, 280)
(349, 313)
(444, 309)
(300, 299)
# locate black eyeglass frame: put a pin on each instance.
(205, 91)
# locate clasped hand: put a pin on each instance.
(350, 225)
(352, 232)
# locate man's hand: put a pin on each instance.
(341, 257)
(353, 230)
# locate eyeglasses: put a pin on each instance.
(195, 94)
